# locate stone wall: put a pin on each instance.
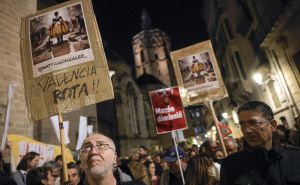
(11, 12)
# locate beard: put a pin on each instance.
(99, 171)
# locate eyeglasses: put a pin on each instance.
(99, 147)
(252, 123)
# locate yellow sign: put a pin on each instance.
(20, 145)
(63, 60)
(198, 74)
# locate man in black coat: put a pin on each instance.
(260, 162)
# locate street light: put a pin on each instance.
(257, 77)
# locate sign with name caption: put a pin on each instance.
(168, 110)
(63, 60)
(198, 74)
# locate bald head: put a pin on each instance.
(231, 146)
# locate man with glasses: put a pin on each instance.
(98, 160)
(260, 162)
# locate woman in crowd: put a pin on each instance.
(151, 172)
(29, 161)
(200, 171)
(40, 176)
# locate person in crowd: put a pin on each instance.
(55, 170)
(58, 160)
(74, 174)
(135, 157)
(173, 175)
(201, 171)
(278, 138)
(290, 136)
(142, 151)
(139, 171)
(151, 172)
(29, 161)
(219, 156)
(164, 165)
(297, 126)
(210, 148)
(282, 128)
(230, 145)
(158, 168)
(4, 175)
(191, 153)
(40, 176)
(98, 160)
(5, 156)
(260, 161)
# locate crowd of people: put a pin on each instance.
(267, 155)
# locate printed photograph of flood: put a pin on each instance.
(58, 33)
(197, 70)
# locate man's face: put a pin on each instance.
(73, 176)
(175, 168)
(97, 162)
(230, 147)
(213, 147)
(50, 179)
(142, 152)
(260, 134)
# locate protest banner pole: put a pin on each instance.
(178, 158)
(10, 93)
(63, 148)
(211, 107)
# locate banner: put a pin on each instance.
(20, 145)
(63, 60)
(168, 110)
(198, 74)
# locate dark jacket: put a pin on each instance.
(279, 166)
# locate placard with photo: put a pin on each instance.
(197, 73)
(63, 60)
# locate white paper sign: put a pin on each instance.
(82, 131)
(55, 124)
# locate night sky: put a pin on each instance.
(120, 20)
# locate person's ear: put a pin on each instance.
(115, 159)
(273, 124)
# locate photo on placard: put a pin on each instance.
(197, 72)
(59, 39)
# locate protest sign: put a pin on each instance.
(167, 110)
(20, 145)
(198, 74)
(63, 60)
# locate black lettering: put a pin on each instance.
(83, 90)
(44, 87)
(74, 89)
(57, 96)
(51, 82)
(81, 75)
(93, 70)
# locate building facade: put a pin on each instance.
(11, 12)
(257, 38)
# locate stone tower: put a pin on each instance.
(151, 48)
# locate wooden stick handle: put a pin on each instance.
(63, 148)
(217, 127)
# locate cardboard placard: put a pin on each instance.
(168, 110)
(63, 60)
(198, 74)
